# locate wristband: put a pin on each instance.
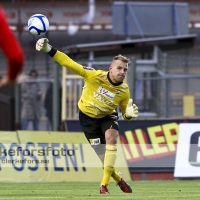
(52, 52)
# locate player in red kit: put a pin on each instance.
(12, 51)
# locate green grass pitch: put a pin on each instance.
(142, 190)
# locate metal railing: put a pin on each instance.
(159, 86)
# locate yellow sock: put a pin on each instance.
(109, 162)
(116, 176)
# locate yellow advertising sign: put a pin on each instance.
(7, 162)
(56, 157)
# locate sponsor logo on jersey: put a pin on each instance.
(99, 107)
(102, 99)
(95, 141)
(101, 90)
(88, 68)
(117, 92)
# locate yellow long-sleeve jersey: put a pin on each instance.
(100, 96)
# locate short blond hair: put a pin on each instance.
(122, 58)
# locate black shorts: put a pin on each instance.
(95, 128)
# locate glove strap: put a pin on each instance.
(52, 52)
(128, 118)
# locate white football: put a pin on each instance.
(38, 24)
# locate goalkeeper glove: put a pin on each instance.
(43, 45)
(131, 110)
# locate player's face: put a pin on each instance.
(118, 70)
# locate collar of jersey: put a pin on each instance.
(115, 84)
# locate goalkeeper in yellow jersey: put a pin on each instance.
(102, 93)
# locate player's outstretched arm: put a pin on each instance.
(131, 110)
(61, 58)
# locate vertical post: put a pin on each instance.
(91, 58)
(17, 110)
(166, 88)
(132, 78)
(47, 57)
(64, 91)
(157, 54)
(56, 96)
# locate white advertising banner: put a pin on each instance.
(58, 14)
(187, 162)
(64, 13)
(194, 11)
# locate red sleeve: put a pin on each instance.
(10, 47)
